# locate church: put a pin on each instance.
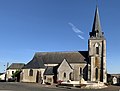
(54, 67)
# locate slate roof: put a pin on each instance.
(116, 75)
(41, 58)
(35, 63)
(16, 66)
(58, 57)
(49, 71)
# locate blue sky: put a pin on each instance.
(29, 26)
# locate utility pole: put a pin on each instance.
(6, 71)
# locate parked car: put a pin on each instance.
(11, 79)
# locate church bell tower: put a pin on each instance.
(97, 52)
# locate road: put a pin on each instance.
(13, 86)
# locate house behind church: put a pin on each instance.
(12, 69)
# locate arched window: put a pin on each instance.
(12, 72)
(97, 50)
(80, 70)
(97, 31)
(97, 45)
(64, 75)
(70, 76)
(96, 73)
(31, 72)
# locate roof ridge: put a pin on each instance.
(60, 52)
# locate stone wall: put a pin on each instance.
(97, 60)
(27, 78)
(76, 71)
(64, 71)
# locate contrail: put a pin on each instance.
(76, 30)
(81, 37)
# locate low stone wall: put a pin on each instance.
(88, 85)
(95, 85)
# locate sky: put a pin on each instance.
(29, 26)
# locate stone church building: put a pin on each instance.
(52, 67)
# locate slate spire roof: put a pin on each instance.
(96, 29)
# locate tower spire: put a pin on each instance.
(96, 29)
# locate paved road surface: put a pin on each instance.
(13, 86)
